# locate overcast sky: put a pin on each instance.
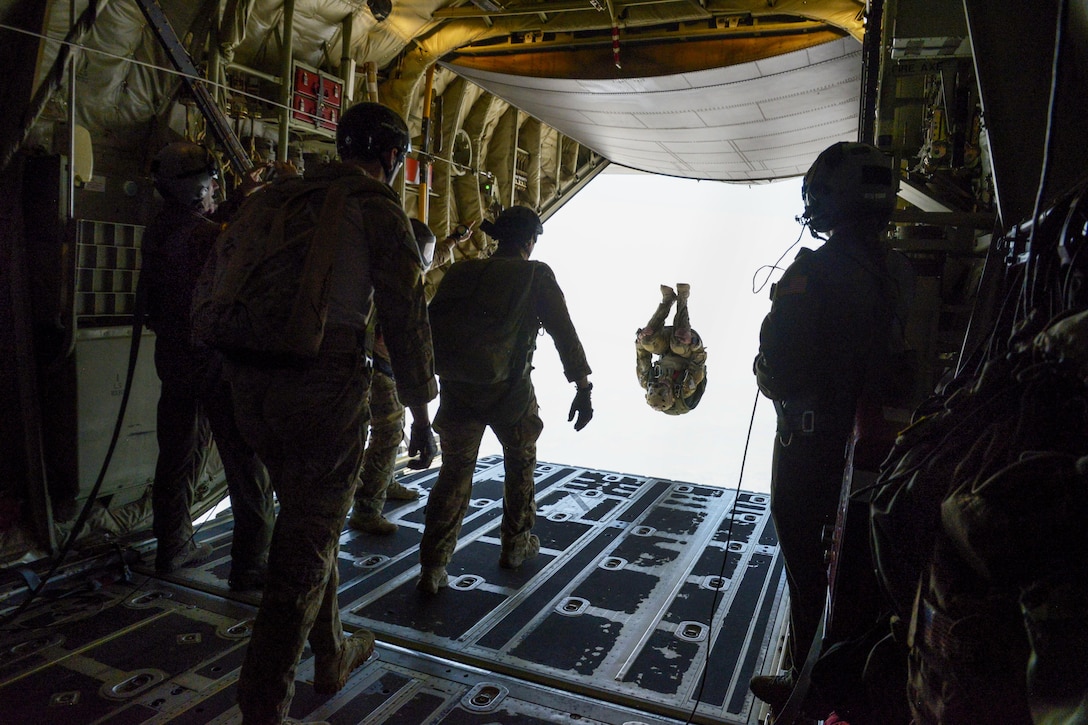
(611, 247)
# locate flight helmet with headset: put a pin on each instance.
(186, 173)
(849, 182)
(367, 130)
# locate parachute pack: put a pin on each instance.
(481, 322)
(264, 290)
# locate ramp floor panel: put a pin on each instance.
(651, 601)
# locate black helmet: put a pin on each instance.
(367, 129)
(517, 225)
(848, 182)
(184, 172)
(426, 240)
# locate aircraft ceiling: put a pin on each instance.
(733, 90)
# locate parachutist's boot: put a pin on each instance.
(668, 297)
(431, 579)
(247, 578)
(331, 671)
(397, 491)
(191, 553)
(683, 291)
(774, 690)
(374, 524)
(519, 550)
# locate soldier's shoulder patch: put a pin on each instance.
(795, 284)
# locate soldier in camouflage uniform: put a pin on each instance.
(193, 395)
(674, 384)
(509, 407)
(376, 480)
(308, 421)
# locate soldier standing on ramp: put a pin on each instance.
(485, 316)
(193, 393)
(302, 398)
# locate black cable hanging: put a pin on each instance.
(725, 561)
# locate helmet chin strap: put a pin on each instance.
(390, 170)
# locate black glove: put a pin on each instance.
(422, 442)
(582, 406)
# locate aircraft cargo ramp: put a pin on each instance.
(642, 584)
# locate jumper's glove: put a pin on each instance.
(422, 442)
(582, 406)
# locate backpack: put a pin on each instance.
(482, 324)
(263, 293)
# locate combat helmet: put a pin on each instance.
(367, 129)
(185, 172)
(848, 182)
(659, 396)
(516, 225)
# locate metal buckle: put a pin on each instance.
(808, 421)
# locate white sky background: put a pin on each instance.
(611, 247)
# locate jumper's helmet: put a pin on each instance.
(848, 182)
(366, 130)
(426, 240)
(516, 225)
(659, 396)
(186, 173)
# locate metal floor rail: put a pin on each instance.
(642, 586)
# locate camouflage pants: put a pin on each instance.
(448, 500)
(193, 402)
(664, 339)
(386, 435)
(308, 426)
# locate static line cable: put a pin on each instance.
(725, 561)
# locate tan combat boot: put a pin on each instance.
(368, 523)
(397, 491)
(332, 671)
(432, 578)
(192, 553)
(520, 550)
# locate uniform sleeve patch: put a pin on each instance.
(794, 285)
